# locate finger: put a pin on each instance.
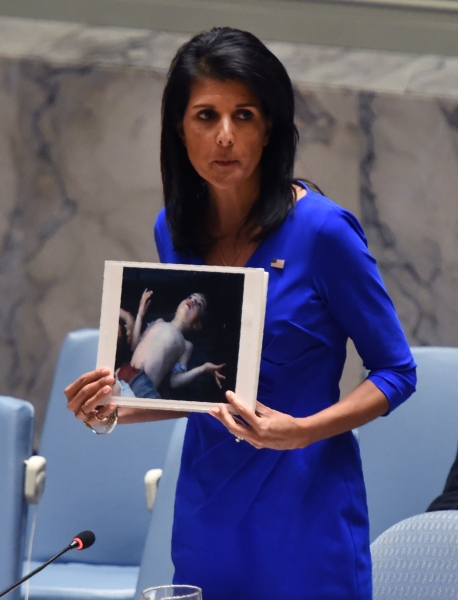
(72, 390)
(241, 409)
(224, 416)
(235, 426)
(262, 409)
(90, 406)
(91, 395)
(218, 382)
(103, 413)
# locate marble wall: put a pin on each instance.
(80, 183)
(393, 160)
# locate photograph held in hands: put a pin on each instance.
(179, 336)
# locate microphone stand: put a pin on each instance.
(38, 569)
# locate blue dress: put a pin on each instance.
(269, 525)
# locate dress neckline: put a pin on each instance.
(264, 243)
(266, 240)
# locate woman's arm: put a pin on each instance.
(347, 280)
(269, 428)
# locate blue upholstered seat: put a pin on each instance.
(16, 437)
(156, 566)
(93, 482)
(407, 455)
(417, 559)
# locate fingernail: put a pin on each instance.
(106, 389)
(105, 371)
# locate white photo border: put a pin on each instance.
(252, 325)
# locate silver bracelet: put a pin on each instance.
(108, 427)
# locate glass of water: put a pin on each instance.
(171, 592)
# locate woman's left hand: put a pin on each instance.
(263, 428)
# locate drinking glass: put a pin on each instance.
(171, 592)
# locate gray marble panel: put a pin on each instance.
(331, 66)
(79, 166)
(409, 206)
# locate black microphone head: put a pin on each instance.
(85, 539)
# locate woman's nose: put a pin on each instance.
(225, 135)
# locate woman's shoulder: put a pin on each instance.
(163, 239)
(161, 221)
(323, 215)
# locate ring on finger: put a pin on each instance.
(101, 419)
(88, 416)
(239, 439)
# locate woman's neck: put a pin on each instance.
(229, 208)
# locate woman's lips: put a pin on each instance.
(225, 163)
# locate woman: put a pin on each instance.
(290, 520)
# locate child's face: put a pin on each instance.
(191, 310)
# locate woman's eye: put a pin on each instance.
(245, 115)
(205, 115)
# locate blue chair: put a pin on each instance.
(93, 482)
(407, 455)
(156, 567)
(16, 438)
(417, 558)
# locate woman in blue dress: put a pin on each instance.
(271, 503)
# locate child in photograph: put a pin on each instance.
(163, 350)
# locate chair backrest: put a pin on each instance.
(417, 558)
(406, 456)
(16, 438)
(94, 482)
(156, 567)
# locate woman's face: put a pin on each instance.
(224, 130)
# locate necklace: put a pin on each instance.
(236, 255)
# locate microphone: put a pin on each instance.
(83, 540)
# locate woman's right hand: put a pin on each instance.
(89, 396)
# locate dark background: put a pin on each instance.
(218, 340)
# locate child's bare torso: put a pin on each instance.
(159, 349)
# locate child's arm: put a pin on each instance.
(142, 308)
(181, 376)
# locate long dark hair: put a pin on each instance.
(226, 54)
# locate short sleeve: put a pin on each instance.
(347, 279)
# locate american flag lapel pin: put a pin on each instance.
(277, 263)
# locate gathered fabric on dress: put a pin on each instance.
(265, 524)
